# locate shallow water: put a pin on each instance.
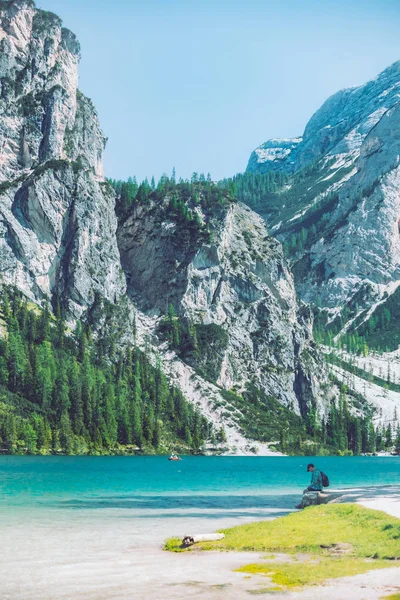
(92, 527)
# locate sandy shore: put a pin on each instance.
(84, 558)
(386, 498)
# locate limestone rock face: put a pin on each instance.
(275, 150)
(364, 247)
(239, 282)
(347, 200)
(57, 221)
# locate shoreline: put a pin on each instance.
(217, 454)
(385, 498)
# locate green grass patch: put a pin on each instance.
(174, 545)
(395, 596)
(338, 540)
(313, 572)
(371, 533)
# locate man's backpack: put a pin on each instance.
(325, 479)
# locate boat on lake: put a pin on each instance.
(174, 457)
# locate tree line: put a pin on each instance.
(348, 433)
(200, 191)
(255, 189)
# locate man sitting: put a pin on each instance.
(315, 485)
(316, 479)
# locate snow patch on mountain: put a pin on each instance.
(385, 402)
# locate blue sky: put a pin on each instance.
(199, 84)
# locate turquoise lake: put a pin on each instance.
(154, 484)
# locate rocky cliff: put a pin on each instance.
(57, 221)
(236, 286)
(339, 209)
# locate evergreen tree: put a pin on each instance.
(75, 395)
(43, 324)
(61, 401)
(30, 437)
(174, 328)
(66, 438)
(397, 441)
(15, 355)
(388, 437)
(87, 378)
(45, 374)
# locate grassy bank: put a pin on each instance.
(318, 543)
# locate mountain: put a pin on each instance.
(175, 315)
(333, 199)
(338, 210)
(227, 278)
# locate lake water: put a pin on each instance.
(155, 483)
(92, 527)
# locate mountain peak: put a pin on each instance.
(52, 201)
(271, 153)
(337, 128)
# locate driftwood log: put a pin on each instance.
(189, 540)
